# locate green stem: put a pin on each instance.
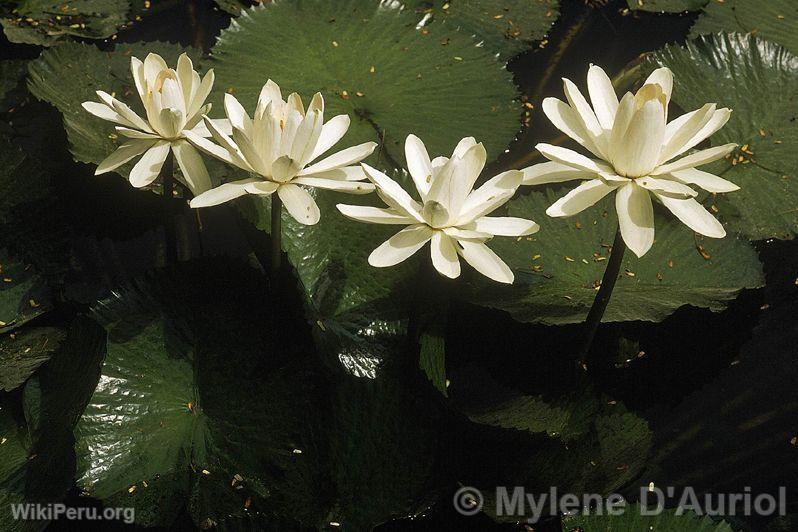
(602, 297)
(168, 183)
(277, 233)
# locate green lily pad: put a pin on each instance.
(70, 74)
(331, 259)
(558, 269)
(23, 294)
(774, 20)
(632, 520)
(667, 6)
(759, 81)
(45, 22)
(23, 353)
(38, 458)
(370, 62)
(505, 27)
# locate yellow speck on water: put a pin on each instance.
(335, 44)
(569, 259)
(372, 69)
(498, 16)
(131, 489)
(536, 257)
(630, 274)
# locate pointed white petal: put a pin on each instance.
(666, 186)
(374, 215)
(460, 233)
(463, 146)
(251, 155)
(350, 187)
(626, 111)
(222, 124)
(580, 198)
(234, 153)
(696, 159)
(567, 120)
(352, 155)
(262, 188)
(199, 96)
(679, 132)
(400, 246)
(236, 114)
(504, 226)
(331, 132)
(294, 102)
(222, 194)
(444, 255)
(146, 170)
(137, 70)
(717, 120)
(316, 104)
(485, 261)
(185, 73)
(299, 204)
(192, 166)
(100, 110)
(346, 173)
(553, 172)
(153, 65)
(466, 173)
(418, 164)
(635, 218)
(494, 193)
(705, 180)
(135, 133)
(571, 158)
(214, 150)
(393, 194)
(602, 96)
(586, 115)
(307, 135)
(123, 154)
(664, 78)
(639, 153)
(694, 215)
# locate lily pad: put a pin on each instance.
(667, 6)
(370, 62)
(21, 354)
(70, 74)
(633, 520)
(45, 22)
(759, 81)
(774, 20)
(558, 269)
(23, 294)
(505, 27)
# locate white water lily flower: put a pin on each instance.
(277, 146)
(450, 215)
(174, 102)
(633, 143)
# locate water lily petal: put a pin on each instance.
(463, 146)
(571, 158)
(696, 159)
(444, 255)
(553, 172)
(602, 96)
(393, 194)
(679, 131)
(584, 196)
(123, 154)
(694, 215)
(262, 188)
(192, 166)
(485, 261)
(418, 164)
(222, 194)
(639, 153)
(199, 96)
(331, 132)
(153, 65)
(350, 187)
(352, 155)
(666, 186)
(400, 246)
(146, 170)
(705, 180)
(635, 217)
(504, 226)
(237, 114)
(586, 115)
(664, 78)
(374, 215)
(306, 137)
(299, 204)
(491, 195)
(567, 120)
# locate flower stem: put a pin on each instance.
(277, 233)
(168, 184)
(602, 297)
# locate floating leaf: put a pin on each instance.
(774, 20)
(759, 81)
(370, 63)
(558, 270)
(633, 520)
(21, 354)
(667, 6)
(432, 360)
(45, 22)
(505, 27)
